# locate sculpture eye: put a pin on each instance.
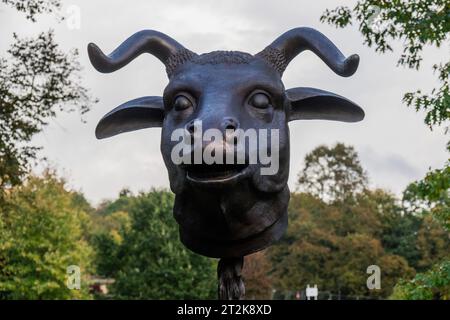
(260, 100)
(182, 102)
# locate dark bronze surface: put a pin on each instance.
(246, 212)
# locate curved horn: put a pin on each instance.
(286, 47)
(166, 49)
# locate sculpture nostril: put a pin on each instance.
(230, 127)
(230, 124)
(190, 127)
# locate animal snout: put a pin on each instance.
(216, 140)
(197, 127)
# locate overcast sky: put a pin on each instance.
(394, 145)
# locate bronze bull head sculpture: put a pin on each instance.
(227, 210)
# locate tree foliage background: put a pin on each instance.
(37, 79)
(331, 244)
(144, 255)
(417, 24)
(43, 231)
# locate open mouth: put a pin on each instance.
(213, 172)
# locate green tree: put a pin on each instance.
(258, 283)
(146, 257)
(432, 242)
(417, 24)
(332, 245)
(37, 79)
(32, 8)
(432, 284)
(41, 234)
(417, 238)
(332, 173)
(431, 195)
(111, 221)
(358, 251)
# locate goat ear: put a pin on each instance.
(140, 113)
(311, 103)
